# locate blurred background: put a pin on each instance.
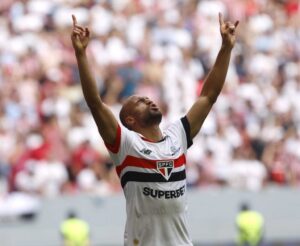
(52, 158)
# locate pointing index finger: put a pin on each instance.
(74, 20)
(236, 23)
(221, 21)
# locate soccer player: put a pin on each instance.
(151, 162)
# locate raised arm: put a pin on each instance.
(105, 120)
(214, 82)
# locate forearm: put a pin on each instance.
(105, 120)
(215, 80)
(88, 83)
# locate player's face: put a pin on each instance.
(145, 111)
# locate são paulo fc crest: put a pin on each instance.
(165, 168)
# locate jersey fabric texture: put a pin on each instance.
(153, 179)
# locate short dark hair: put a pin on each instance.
(122, 115)
(71, 214)
(244, 206)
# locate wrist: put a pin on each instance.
(80, 52)
(226, 46)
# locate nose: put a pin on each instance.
(148, 101)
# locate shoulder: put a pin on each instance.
(174, 127)
(180, 129)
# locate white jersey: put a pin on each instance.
(153, 178)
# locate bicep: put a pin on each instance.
(198, 113)
(106, 122)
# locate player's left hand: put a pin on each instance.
(227, 30)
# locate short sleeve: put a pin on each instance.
(187, 130)
(120, 148)
(179, 130)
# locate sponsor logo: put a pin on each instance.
(165, 168)
(164, 194)
(146, 151)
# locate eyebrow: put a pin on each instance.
(139, 99)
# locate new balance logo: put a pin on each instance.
(174, 150)
(146, 151)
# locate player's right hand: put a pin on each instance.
(80, 36)
(227, 30)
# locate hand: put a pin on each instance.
(80, 36)
(227, 30)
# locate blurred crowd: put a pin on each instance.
(49, 144)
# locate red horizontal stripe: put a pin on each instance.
(133, 161)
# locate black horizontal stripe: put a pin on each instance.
(150, 177)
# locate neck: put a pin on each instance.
(152, 133)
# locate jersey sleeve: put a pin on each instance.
(187, 130)
(119, 149)
(181, 130)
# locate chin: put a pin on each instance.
(154, 118)
(157, 117)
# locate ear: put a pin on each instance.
(130, 121)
